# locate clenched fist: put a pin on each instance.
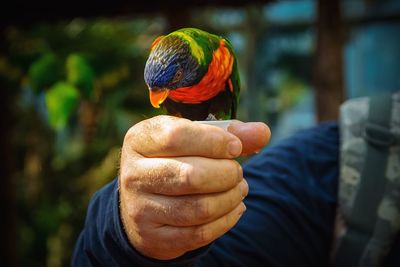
(180, 187)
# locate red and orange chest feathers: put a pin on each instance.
(213, 82)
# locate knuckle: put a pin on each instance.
(237, 165)
(186, 176)
(228, 223)
(202, 235)
(183, 213)
(130, 178)
(169, 136)
(203, 209)
(239, 170)
(163, 119)
(137, 215)
(129, 133)
(233, 198)
(145, 238)
(218, 146)
(231, 171)
(183, 237)
(125, 181)
(132, 131)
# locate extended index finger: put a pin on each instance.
(253, 135)
(166, 136)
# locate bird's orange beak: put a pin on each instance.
(157, 97)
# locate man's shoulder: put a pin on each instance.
(325, 133)
(308, 159)
(316, 141)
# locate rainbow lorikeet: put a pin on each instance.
(194, 75)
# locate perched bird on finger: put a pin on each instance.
(193, 74)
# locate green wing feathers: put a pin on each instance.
(202, 44)
(235, 79)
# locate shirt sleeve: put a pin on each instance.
(289, 219)
(291, 205)
(103, 241)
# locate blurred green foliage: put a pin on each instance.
(78, 87)
(61, 100)
(80, 74)
(44, 72)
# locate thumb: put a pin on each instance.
(253, 135)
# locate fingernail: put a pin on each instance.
(235, 148)
(244, 188)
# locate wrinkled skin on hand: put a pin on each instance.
(180, 187)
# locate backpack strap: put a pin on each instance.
(366, 240)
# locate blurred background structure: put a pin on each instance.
(72, 84)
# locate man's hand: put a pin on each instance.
(180, 187)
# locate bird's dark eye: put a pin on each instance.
(178, 76)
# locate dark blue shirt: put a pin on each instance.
(289, 220)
